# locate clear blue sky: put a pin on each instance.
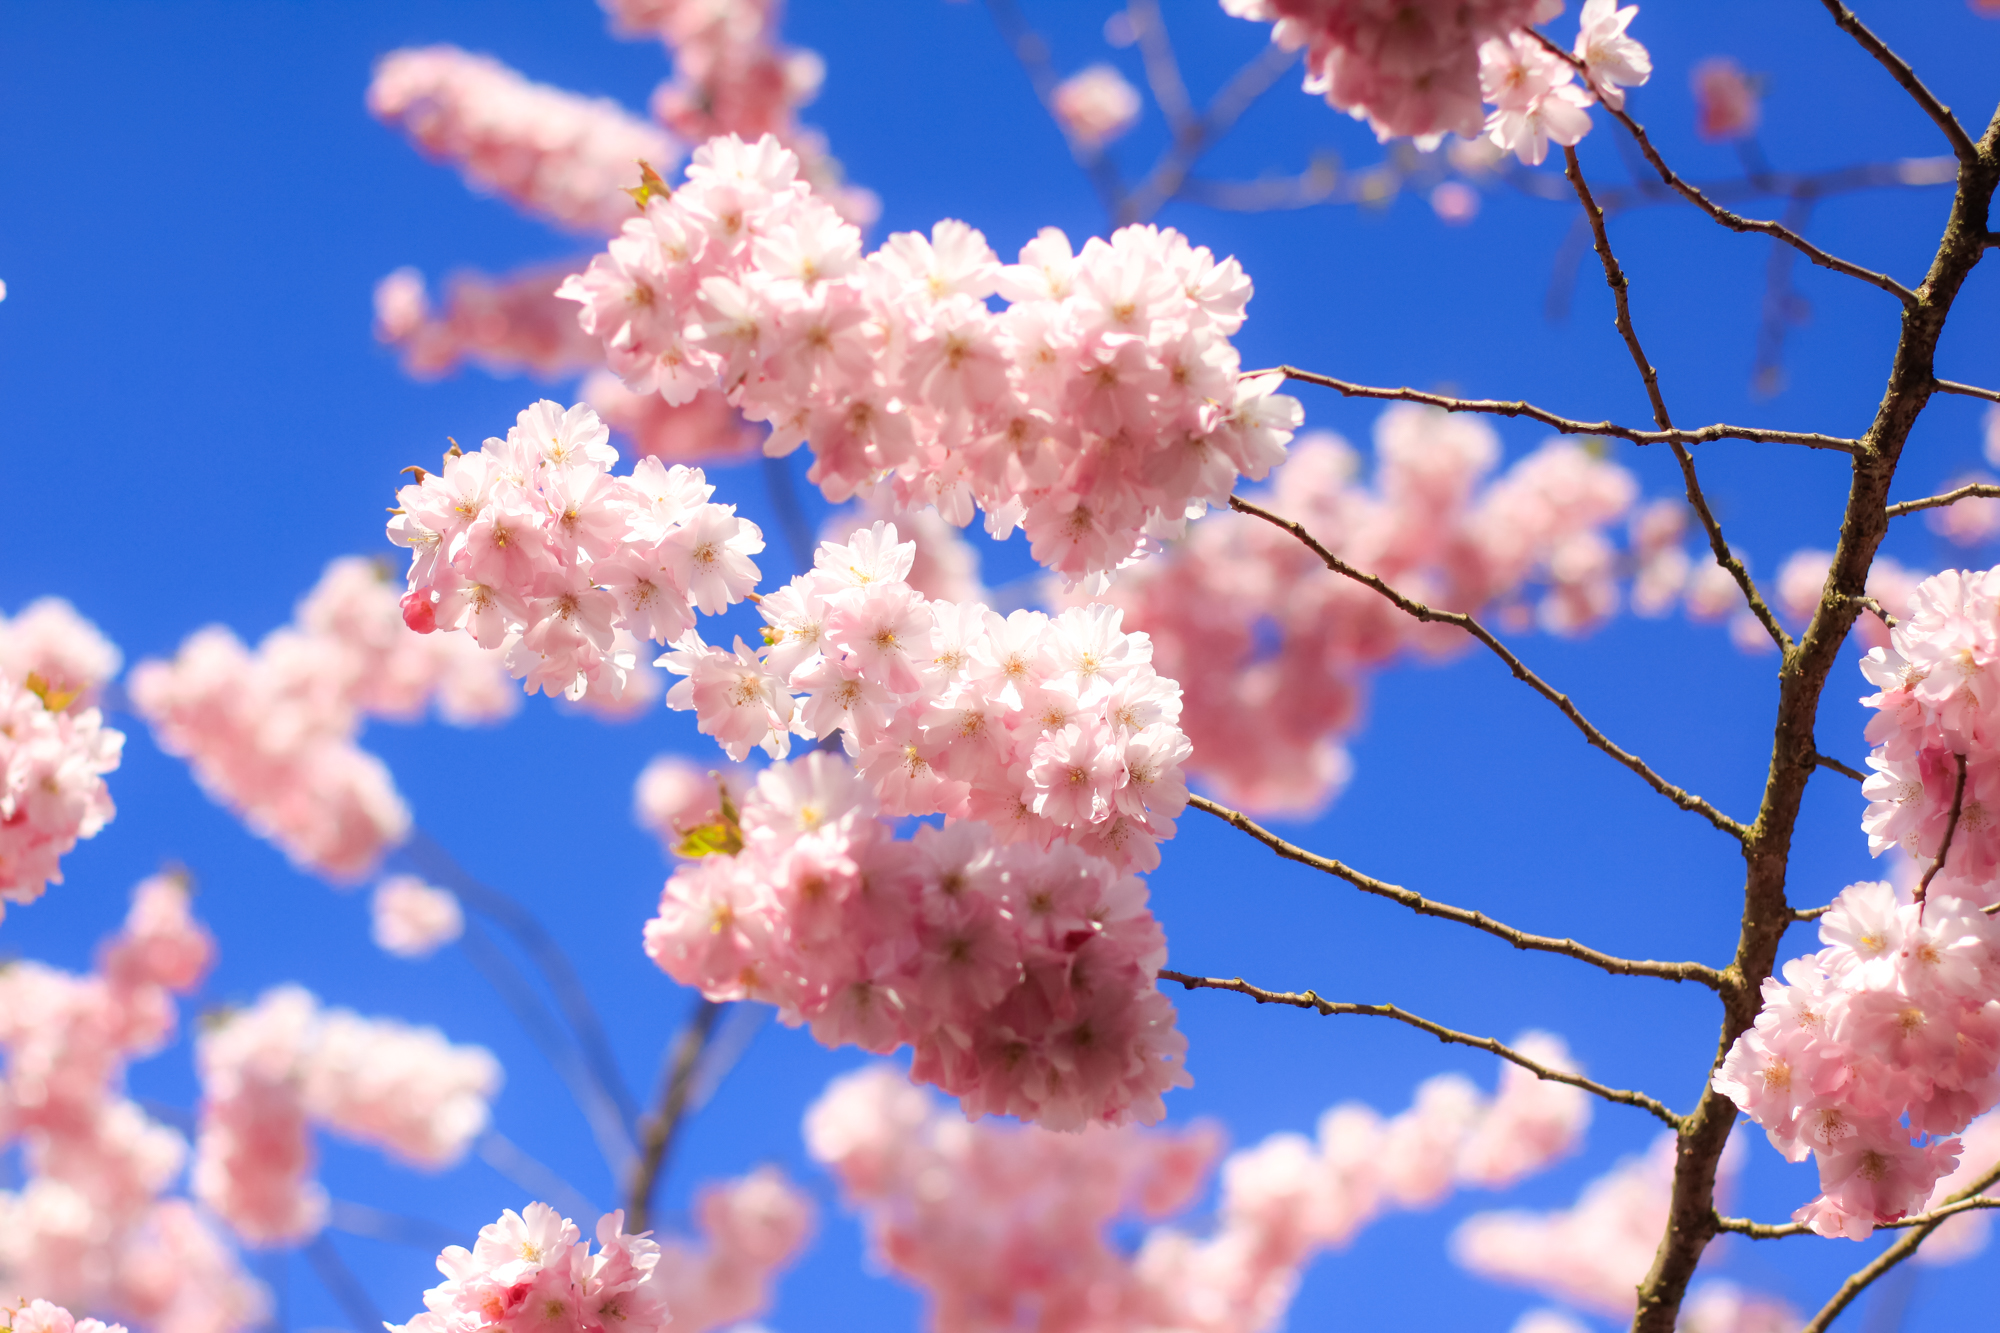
(199, 420)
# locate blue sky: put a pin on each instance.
(199, 420)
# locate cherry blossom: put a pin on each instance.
(53, 758)
(412, 919)
(1096, 105)
(506, 325)
(69, 656)
(1725, 99)
(39, 1316)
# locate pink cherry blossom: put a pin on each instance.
(69, 655)
(53, 758)
(412, 919)
(1096, 105)
(1725, 99)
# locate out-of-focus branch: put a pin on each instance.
(1565, 425)
(1163, 72)
(1416, 902)
(1919, 1232)
(1686, 800)
(1033, 54)
(1169, 177)
(1614, 277)
(1734, 221)
(1969, 390)
(1330, 1008)
(1982, 490)
(340, 1283)
(662, 1127)
(358, 1219)
(1899, 69)
(526, 1173)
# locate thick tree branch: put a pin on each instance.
(1684, 799)
(1905, 1247)
(662, 1127)
(1416, 902)
(1975, 490)
(1614, 277)
(1565, 425)
(1329, 1008)
(1734, 221)
(1899, 69)
(1969, 390)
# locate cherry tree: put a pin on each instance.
(928, 811)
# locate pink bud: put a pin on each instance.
(419, 613)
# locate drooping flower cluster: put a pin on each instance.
(1872, 1051)
(705, 427)
(1048, 729)
(54, 754)
(506, 325)
(531, 1272)
(270, 732)
(566, 158)
(1595, 1253)
(89, 1225)
(1423, 67)
(1005, 1227)
(1272, 650)
(412, 919)
(39, 1316)
(271, 1071)
(1023, 978)
(532, 546)
(1102, 407)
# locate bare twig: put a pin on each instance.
(1918, 1233)
(1033, 52)
(1169, 177)
(1950, 828)
(1329, 1008)
(1686, 800)
(1777, 1231)
(1899, 69)
(1566, 425)
(1825, 762)
(358, 1219)
(1163, 72)
(1416, 902)
(1975, 490)
(340, 1283)
(1969, 390)
(1614, 277)
(535, 1178)
(663, 1126)
(1734, 221)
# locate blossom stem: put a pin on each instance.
(1684, 799)
(1614, 277)
(1416, 902)
(1564, 425)
(662, 1127)
(1950, 828)
(1899, 69)
(1329, 1008)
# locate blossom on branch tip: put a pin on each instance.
(1096, 105)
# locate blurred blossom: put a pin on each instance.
(411, 919)
(1473, 156)
(1993, 425)
(1096, 105)
(1455, 202)
(1119, 29)
(1725, 100)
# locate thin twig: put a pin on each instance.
(340, 1282)
(1734, 221)
(1686, 800)
(1950, 827)
(1416, 902)
(1032, 52)
(1777, 1231)
(1899, 69)
(1895, 1254)
(1826, 762)
(663, 1126)
(1192, 138)
(1329, 1008)
(532, 1176)
(1969, 390)
(1981, 490)
(1614, 278)
(1566, 425)
(1163, 72)
(358, 1219)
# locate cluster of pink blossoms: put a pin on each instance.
(1024, 978)
(1869, 1053)
(505, 324)
(88, 1226)
(1423, 67)
(53, 758)
(531, 1272)
(1272, 651)
(39, 1316)
(412, 919)
(1101, 408)
(1005, 1226)
(270, 733)
(1048, 729)
(531, 546)
(565, 157)
(271, 1071)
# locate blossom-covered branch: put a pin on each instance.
(1329, 1008)
(1416, 902)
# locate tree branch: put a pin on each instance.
(1163, 72)
(1767, 1231)
(1969, 390)
(1905, 1247)
(1614, 277)
(1975, 490)
(1899, 69)
(340, 1283)
(1416, 902)
(1329, 1008)
(1194, 137)
(660, 1129)
(1684, 799)
(1734, 221)
(1944, 846)
(1824, 762)
(1565, 425)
